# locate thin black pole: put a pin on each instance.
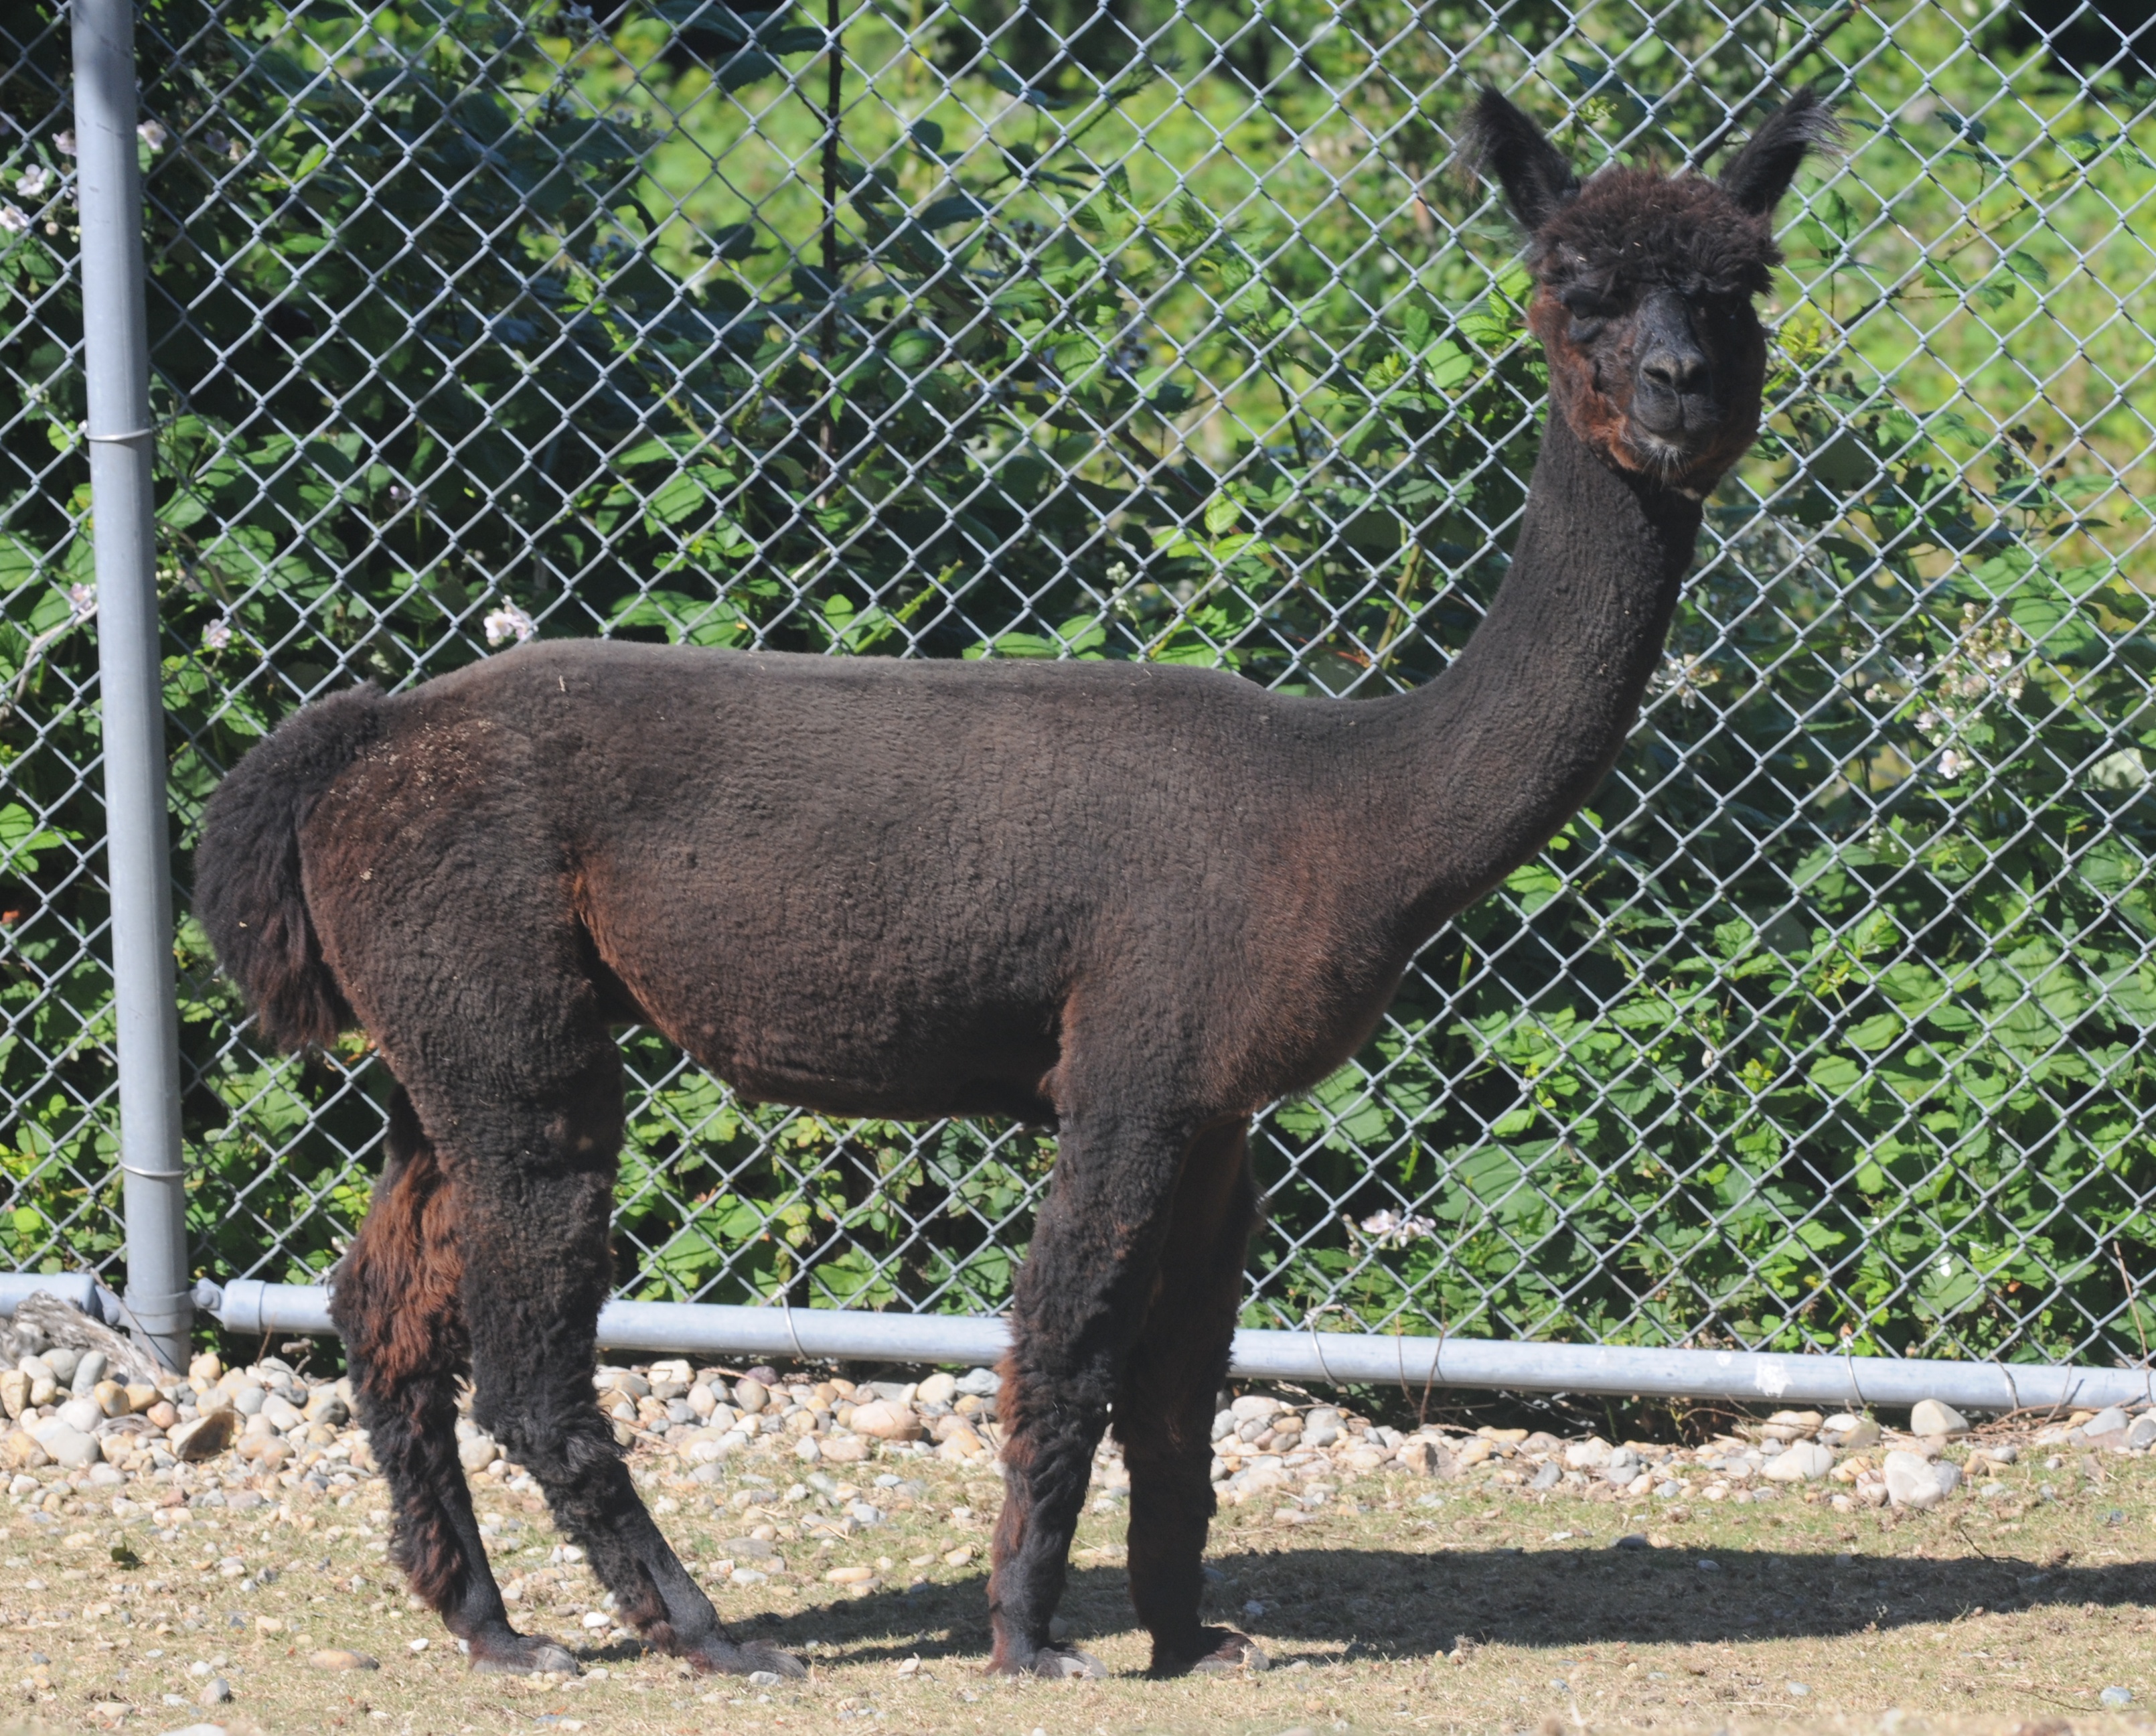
(827, 429)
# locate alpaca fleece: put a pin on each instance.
(1131, 901)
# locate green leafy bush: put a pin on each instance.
(1824, 1027)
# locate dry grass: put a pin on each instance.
(1405, 1605)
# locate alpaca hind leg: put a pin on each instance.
(536, 1269)
(1163, 1412)
(1077, 1308)
(396, 1304)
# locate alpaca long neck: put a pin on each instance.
(1482, 766)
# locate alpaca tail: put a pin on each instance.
(247, 889)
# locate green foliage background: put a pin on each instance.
(1828, 1024)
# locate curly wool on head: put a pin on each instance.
(1629, 228)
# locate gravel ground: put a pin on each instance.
(212, 1553)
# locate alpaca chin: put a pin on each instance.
(1663, 461)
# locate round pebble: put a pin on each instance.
(1805, 1461)
(1913, 1482)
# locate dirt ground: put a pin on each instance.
(1404, 1604)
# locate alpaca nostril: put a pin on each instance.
(1683, 373)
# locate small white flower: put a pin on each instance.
(82, 602)
(217, 636)
(13, 219)
(1687, 677)
(64, 142)
(509, 622)
(1387, 1226)
(35, 180)
(1952, 764)
(152, 134)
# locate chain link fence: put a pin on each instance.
(1164, 329)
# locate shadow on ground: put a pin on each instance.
(1395, 1603)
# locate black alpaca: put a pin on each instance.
(1139, 902)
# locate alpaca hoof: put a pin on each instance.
(1058, 1662)
(522, 1654)
(1234, 1654)
(721, 1657)
(769, 1659)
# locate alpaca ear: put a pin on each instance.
(1505, 143)
(1760, 174)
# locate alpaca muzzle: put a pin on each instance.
(1675, 406)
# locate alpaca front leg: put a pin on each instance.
(1164, 1407)
(1076, 1308)
(1047, 1460)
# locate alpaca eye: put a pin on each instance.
(1585, 331)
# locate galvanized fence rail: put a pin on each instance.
(1165, 330)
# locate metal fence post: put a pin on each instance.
(137, 845)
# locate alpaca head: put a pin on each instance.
(1644, 287)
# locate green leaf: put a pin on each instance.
(1448, 366)
(19, 563)
(22, 835)
(1836, 1075)
(743, 68)
(1534, 885)
(2056, 628)
(957, 207)
(731, 241)
(1878, 1032)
